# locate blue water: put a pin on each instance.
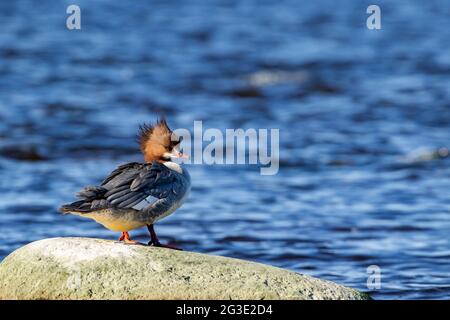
(364, 119)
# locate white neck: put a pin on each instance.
(174, 166)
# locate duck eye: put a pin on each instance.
(176, 142)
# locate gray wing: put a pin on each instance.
(137, 186)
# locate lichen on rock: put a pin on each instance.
(82, 268)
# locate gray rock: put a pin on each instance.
(81, 268)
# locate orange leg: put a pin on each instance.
(125, 237)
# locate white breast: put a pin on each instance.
(174, 206)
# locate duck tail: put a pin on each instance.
(91, 197)
(91, 193)
(75, 207)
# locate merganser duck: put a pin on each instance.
(139, 194)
